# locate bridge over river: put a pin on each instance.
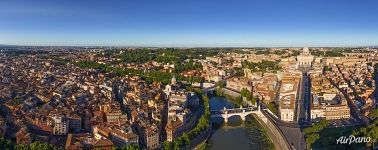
(227, 113)
(262, 117)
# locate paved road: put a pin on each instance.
(302, 116)
(294, 136)
(303, 103)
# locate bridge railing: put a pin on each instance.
(235, 110)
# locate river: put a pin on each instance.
(236, 134)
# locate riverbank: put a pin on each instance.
(237, 101)
(236, 134)
(188, 138)
(269, 133)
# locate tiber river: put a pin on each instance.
(236, 134)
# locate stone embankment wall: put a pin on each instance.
(273, 131)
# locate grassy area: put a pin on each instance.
(328, 137)
(273, 108)
(256, 126)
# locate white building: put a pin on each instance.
(287, 108)
(305, 59)
(61, 125)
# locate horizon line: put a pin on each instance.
(178, 46)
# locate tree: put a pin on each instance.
(374, 113)
(130, 147)
(37, 146)
(167, 145)
(264, 65)
(176, 145)
(311, 139)
(221, 84)
(6, 144)
(253, 100)
(317, 127)
(246, 93)
(369, 131)
(273, 108)
(186, 139)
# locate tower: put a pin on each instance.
(173, 80)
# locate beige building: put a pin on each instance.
(326, 101)
(337, 112)
(288, 94)
(174, 128)
(238, 84)
(151, 137)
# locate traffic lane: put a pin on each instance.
(294, 136)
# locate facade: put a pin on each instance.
(305, 59)
(288, 95)
(334, 112)
(86, 141)
(122, 138)
(287, 108)
(238, 84)
(326, 101)
(116, 117)
(74, 123)
(174, 129)
(216, 60)
(61, 125)
(151, 137)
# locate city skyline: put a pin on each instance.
(189, 24)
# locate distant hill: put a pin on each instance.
(6, 45)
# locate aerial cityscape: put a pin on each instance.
(172, 75)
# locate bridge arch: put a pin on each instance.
(240, 117)
(228, 113)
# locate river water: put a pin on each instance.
(236, 134)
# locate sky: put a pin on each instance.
(189, 23)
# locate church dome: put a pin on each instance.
(305, 50)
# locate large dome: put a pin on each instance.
(305, 50)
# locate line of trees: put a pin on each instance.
(150, 76)
(273, 108)
(108, 68)
(191, 65)
(169, 55)
(371, 130)
(6, 144)
(264, 65)
(236, 100)
(312, 133)
(128, 147)
(330, 53)
(248, 95)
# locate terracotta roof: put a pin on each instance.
(102, 142)
(124, 135)
(174, 124)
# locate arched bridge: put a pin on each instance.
(227, 113)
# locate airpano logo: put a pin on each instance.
(352, 139)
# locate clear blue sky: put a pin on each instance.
(189, 22)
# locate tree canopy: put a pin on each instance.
(312, 133)
(264, 65)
